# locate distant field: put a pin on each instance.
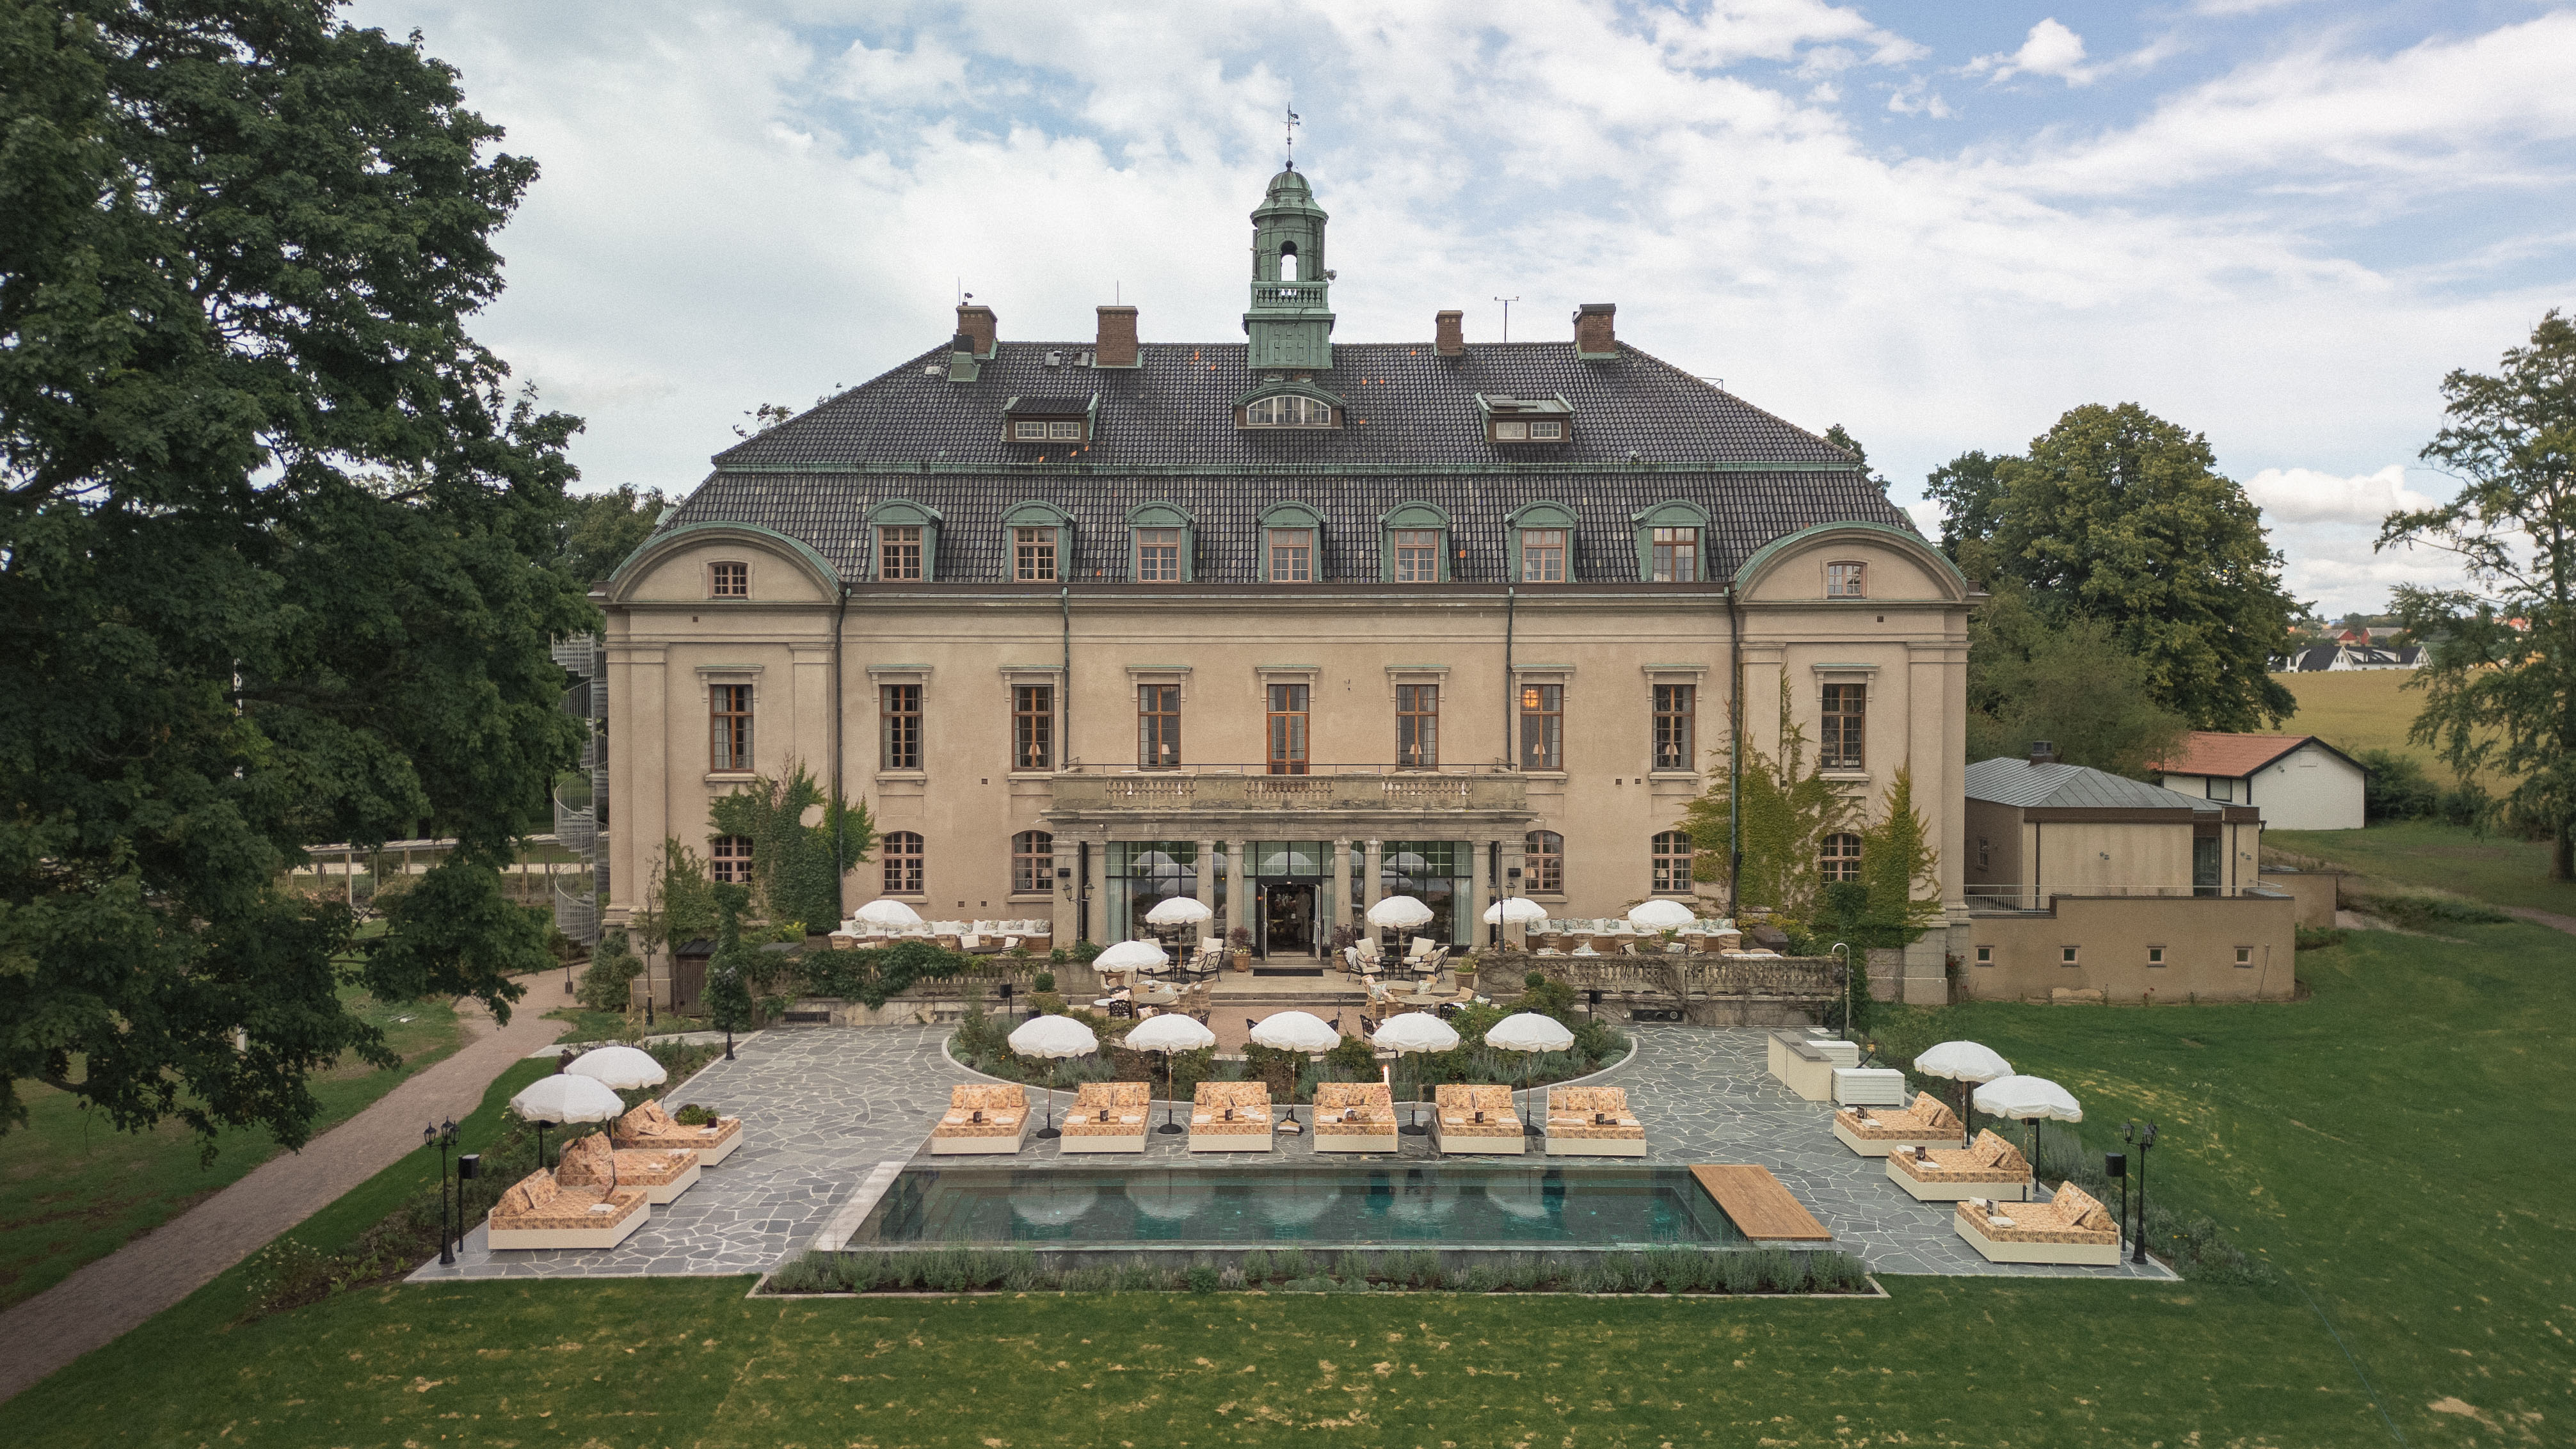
(2361, 710)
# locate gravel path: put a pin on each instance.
(103, 1299)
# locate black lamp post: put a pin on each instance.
(1006, 1001)
(443, 1137)
(542, 1125)
(2144, 1137)
(2115, 1165)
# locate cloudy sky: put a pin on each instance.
(2275, 222)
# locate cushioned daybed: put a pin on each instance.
(982, 1117)
(1592, 1122)
(1988, 1167)
(1108, 1117)
(662, 1172)
(540, 1213)
(1231, 1117)
(2072, 1227)
(649, 1126)
(1877, 1131)
(1354, 1117)
(1476, 1119)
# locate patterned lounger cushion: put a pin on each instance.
(1458, 1106)
(1125, 1104)
(2073, 1216)
(1004, 1105)
(1363, 1109)
(1576, 1112)
(1250, 1102)
(589, 1162)
(649, 1126)
(1925, 1118)
(1989, 1159)
(538, 1202)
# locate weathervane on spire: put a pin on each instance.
(1293, 123)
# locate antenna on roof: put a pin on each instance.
(1293, 124)
(1507, 315)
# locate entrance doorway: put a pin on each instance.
(1288, 918)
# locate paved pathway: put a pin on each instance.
(823, 1107)
(105, 1298)
(2546, 918)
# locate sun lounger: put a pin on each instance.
(539, 1212)
(1108, 1117)
(2071, 1227)
(649, 1127)
(1231, 1117)
(982, 1117)
(1987, 1167)
(662, 1172)
(1354, 1117)
(1592, 1122)
(1475, 1119)
(1878, 1131)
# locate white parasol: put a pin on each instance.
(888, 913)
(1410, 1033)
(1133, 956)
(564, 1097)
(622, 1067)
(1177, 911)
(1514, 910)
(1170, 1033)
(1661, 915)
(1963, 1062)
(1053, 1207)
(1172, 1198)
(2029, 1100)
(1054, 1038)
(1399, 912)
(1529, 1032)
(1296, 1031)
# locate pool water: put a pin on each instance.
(1451, 1204)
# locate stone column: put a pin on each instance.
(1207, 895)
(1067, 892)
(1515, 858)
(1239, 893)
(1341, 886)
(1372, 882)
(1478, 893)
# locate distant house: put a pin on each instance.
(2349, 656)
(2081, 882)
(2296, 782)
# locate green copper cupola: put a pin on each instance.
(1291, 318)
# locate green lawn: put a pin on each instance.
(2496, 868)
(2385, 1146)
(74, 1188)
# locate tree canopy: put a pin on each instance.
(2117, 515)
(601, 529)
(276, 551)
(2500, 680)
(2069, 683)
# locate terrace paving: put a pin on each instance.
(824, 1107)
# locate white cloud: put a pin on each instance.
(2050, 50)
(2305, 495)
(1927, 517)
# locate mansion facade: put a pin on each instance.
(1282, 623)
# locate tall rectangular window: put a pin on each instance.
(901, 853)
(1544, 853)
(1676, 555)
(1292, 556)
(729, 718)
(899, 552)
(1417, 555)
(1033, 727)
(1542, 555)
(1674, 717)
(1417, 725)
(1542, 726)
(1033, 555)
(1288, 755)
(1158, 725)
(1845, 712)
(729, 581)
(900, 724)
(1032, 863)
(1158, 555)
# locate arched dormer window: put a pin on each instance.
(1413, 545)
(1292, 544)
(1540, 537)
(1040, 536)
(907, 541)
(1162, 544)
(1672, 543)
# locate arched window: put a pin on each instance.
(732, 862)
(1840, 858)
(1032, 862)
(1672, 862)
(902, 857)
(1543, 858)
(1288, 262)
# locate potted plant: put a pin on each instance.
(1240, 939)
(1467, 972)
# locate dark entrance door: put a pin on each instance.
(1288, 918)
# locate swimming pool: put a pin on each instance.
(1449, 1204)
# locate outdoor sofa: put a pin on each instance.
(1231, 1117)
(662, 1172)
(1476, 1119)
(1877, 1131)
(1987, 1167)
(649, 1127)
(1354, 1117)
(982, 1117)
(2072, 1227)
(1108, 1117)
(538, 1212)
(1592, 1122)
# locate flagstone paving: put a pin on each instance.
(823, 1107)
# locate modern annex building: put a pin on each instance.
(1284, 623)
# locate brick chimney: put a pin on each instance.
(1593, 334)
(2043, 752)
(1117, 345)
(1450, 330)
(976, 320)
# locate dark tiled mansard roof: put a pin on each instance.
(1164, 432)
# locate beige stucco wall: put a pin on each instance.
(2313, 890)
(2200, 937)
(1607, 645)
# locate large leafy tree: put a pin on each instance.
(2070, 683)
(601, 529)
(2117, 515)
(2500, 686)
(275, 550)
(1778, 808)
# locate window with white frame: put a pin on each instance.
(902, 855)
(1032, 862)
(1417, 555)
(1158, 555)
(1672, 852)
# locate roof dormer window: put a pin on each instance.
(1526, 420)
(1291, 411)
(1049, 419)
